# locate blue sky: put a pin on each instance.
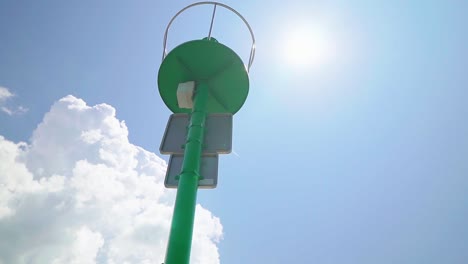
(359, 159)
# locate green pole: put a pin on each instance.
(180, 238)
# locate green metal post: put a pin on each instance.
(180, 238)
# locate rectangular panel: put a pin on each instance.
(217, 139)
(208, 170)
(175, 134)
(218, 134)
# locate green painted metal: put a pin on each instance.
(180, 238)
(222, 86)
(210, 62)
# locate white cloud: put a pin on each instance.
(7, 110)
(80, 192)
(84, 248)
(5, 95)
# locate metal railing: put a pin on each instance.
(252, 49)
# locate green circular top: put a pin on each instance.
(205, 61)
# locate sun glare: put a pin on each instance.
(308, 47)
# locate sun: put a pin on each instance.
(308, 46)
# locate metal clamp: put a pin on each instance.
(252, 49)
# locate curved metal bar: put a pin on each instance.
(252, 50)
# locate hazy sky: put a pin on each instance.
(352, 146)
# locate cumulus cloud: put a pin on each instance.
(5, 95)
(80, 192)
